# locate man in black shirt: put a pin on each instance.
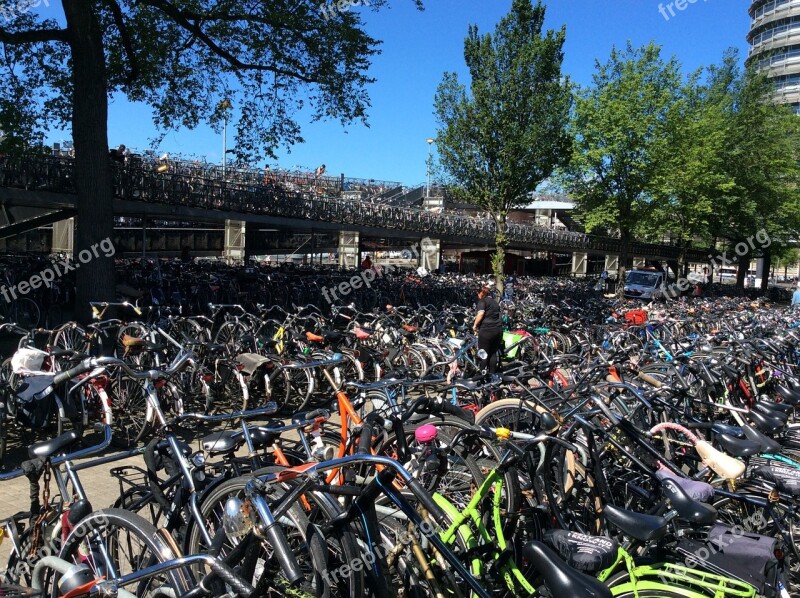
(489, 328)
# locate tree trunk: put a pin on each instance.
(741, 273)
(95, 221)
(765, 270)
(499, 258)
(624, 251)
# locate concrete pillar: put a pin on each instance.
(234, 241)
(579, 264)
(430, 254)
(612, 264)
(64, 237)
(348, 249)
(639, 262)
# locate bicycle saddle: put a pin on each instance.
(765, 423)
(720, 428)
(768, 445)
(48, 448)
(696, 489)
(770, 406)
(790, 396)
(689, 510)
(769, 411)
(590, 554)
(220, 443)
(786, 479)
(738, 447)
(639, 526)
(560, 578)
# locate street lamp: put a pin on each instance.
(225, 105)
(430, 157)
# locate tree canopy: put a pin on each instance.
(501, 138)
(270, 60)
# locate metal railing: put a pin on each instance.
(141, 182)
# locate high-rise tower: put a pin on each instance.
(775, 46)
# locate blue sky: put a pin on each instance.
(420, 46)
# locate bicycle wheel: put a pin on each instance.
(24, 313)
(114, 542)
(129, 410)
(318, 556)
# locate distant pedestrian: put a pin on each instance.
(698, 290)
(319, 171)
(796, 296)
(366, 264)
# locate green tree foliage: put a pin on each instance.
(498, 141)
(762, 153)
(621, 125)
(181, 57)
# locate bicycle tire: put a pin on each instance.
(315, 543)
(80, 547)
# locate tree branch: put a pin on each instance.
(32, 36)
(180, 18)
(119, 20)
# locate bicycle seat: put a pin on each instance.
(765, 423)
(220, 443)
(720, 428)
(639, 526)
(560, 578)
(261, 436)
(696, 489)
(48, 448)
(738, 447)
(773, 413)
(132, 341)
(688, 509)
(769, 406)
(786, 479)
(789, 395)
(466, 384)
(363, 334)
(767, 444)
(590, 554)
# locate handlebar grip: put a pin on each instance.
(650, 380)
(240, 587)
(83, 366)
(459, 412)
(365, 439)
(284, 554)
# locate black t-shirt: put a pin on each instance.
(491, 314)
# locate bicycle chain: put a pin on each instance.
(37, 526)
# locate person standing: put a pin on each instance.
(489, 328)
(796, 296)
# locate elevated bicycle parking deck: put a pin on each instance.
(139, 190)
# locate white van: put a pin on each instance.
(645, 283)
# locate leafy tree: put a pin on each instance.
(763, 149)
(181, 57)
(498, 141)
(622, 126)
(692, 174)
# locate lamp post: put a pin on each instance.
(430, 157)
(225, 105)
